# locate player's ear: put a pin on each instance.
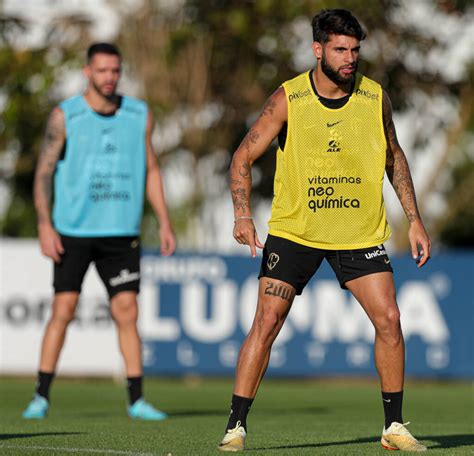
(87, 71)
(317, 50)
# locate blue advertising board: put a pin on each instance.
(197, 309)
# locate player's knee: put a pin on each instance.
(63, 317)
(388, 325)
(124, 310)
(392, 317)
(64, 308)
(268, 325)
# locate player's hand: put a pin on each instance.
(50, 242)
(420, 243)
(167, 240)
(245, 233)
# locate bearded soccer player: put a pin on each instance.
(98, 148)
(337, 139)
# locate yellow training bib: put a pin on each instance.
(329, 175)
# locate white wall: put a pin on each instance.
(91, 346)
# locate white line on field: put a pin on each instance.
(76, 450)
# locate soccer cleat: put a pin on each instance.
(234, 439)
(37, 409)
(398, 437)
(142, 410)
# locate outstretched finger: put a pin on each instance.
(253, 249)
(414, 249)
(424, 253)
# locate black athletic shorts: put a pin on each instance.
(295, 264)
(117, 260)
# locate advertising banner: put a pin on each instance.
(195, 311)
(198, 308)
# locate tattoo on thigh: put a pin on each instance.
(278, 290)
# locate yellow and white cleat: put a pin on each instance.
(398, 437)
(234, 439)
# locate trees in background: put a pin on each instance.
(30, 79)
(206, 68)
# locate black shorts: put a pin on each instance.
(117, 260)
(295, 264)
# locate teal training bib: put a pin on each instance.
(99, 183)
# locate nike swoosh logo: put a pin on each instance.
(386, 262)
(332, 124)
(387, 400)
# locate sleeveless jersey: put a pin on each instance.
(99, 183)
(329, 175)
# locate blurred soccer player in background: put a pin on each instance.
(97, 149)
(337, 139)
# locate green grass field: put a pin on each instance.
(288, 418)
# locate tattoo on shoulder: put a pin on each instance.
(250, 138)
(51, 149)
(281, 291)
(268, 107)
(388, 124)
(54, 136)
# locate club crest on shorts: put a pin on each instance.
(273, 259)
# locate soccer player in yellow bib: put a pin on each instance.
(337, 140)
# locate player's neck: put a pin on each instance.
(327, 88)
(99, 103)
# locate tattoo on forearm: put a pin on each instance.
(403, 186)
(268, 108)
(250, 138)
(46, 180)
(279, 290)
(240, 199)
(244, 171)
(242, 168)
(396, 165)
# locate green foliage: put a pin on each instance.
(230, 53)
(458, 229)
(27, 79)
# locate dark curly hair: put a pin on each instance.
(102, 48)
(335, 22)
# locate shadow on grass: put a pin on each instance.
(449, 441)
(316, 445)
(92, 415)
(224, 413)
(443, 441)
(36, 434)
(184, 413)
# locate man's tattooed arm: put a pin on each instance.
(268, 107)
(396, 165)
(241, 177)
(255, 143)
(51, 149)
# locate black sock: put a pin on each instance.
(43, 384)
(240, 407)
(134, 385)
(392, 407)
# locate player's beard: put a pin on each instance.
(99, 89)
(334, 75)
